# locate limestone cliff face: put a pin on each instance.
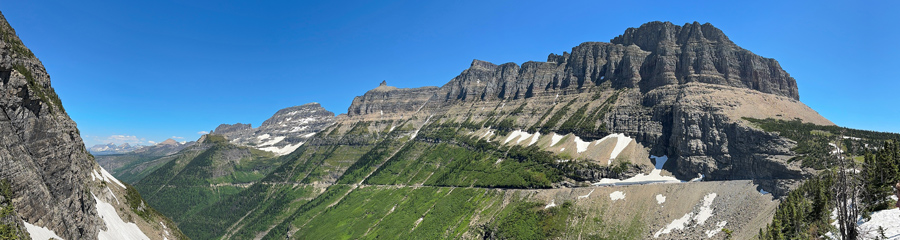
(682, 91)
(390, 102)
(651, 56)
(52, 176)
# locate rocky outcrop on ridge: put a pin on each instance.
(391, 102)
(654, 55)
(284, 132)
(53, 179)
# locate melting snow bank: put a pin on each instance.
(106, 177)
(653, 177)
(280, 151)
(555, 139)
(719, 227)
(588, 195)
(660, 199)
(887, 219)
(699, 219)
(617, 195)
(116, 228)
(40, 232)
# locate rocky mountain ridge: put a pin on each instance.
(111, 148)
(282, 133)
(56, 187)
(680, 91)
(654, 55)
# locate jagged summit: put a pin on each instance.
(650, 36)
(654, 55)
(284, 132)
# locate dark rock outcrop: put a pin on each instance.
(651, 56)
(51, 173)
(391, 102)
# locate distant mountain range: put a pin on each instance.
(111, 148)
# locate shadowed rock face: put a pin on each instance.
(41, 153)
(653, 55)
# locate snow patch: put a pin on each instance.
(705, 211)
(261, 137)
(699, 218)
(581, 145)
(520, 134)
(534, 138)
(555, 139)
(562, 149)
(587, 195)
(719, 227)
(621, 142)
(679, 224)
(660, 199)
(551, 204)
(279, 151)
(887, 219)
(698, 178)
(116, 228)
(653, 177)
(110, 178)
(617, 195)
(308, 135)
(272, 142)
(40, 232)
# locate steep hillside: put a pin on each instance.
(51, 185)
(203, 173)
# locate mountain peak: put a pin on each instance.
(169, 142)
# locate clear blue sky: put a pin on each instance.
(150, 70)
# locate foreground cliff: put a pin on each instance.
(55, 186)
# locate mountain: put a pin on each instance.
(133, 165)
(106, 149)
(666, 131)
(203, 173)
(51, 186)
(282, 133)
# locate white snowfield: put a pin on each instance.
(621, 142)
(555, 139)
(653, 177)
(116, 228)
(660, 199)
(282, 150)
(699, 218)
(617, 195)
(888, 219)
(40, 232)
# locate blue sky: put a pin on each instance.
(139, 71)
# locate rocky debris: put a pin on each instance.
(42, 154)
(284, 132)
(391, 102)
(654, 55)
